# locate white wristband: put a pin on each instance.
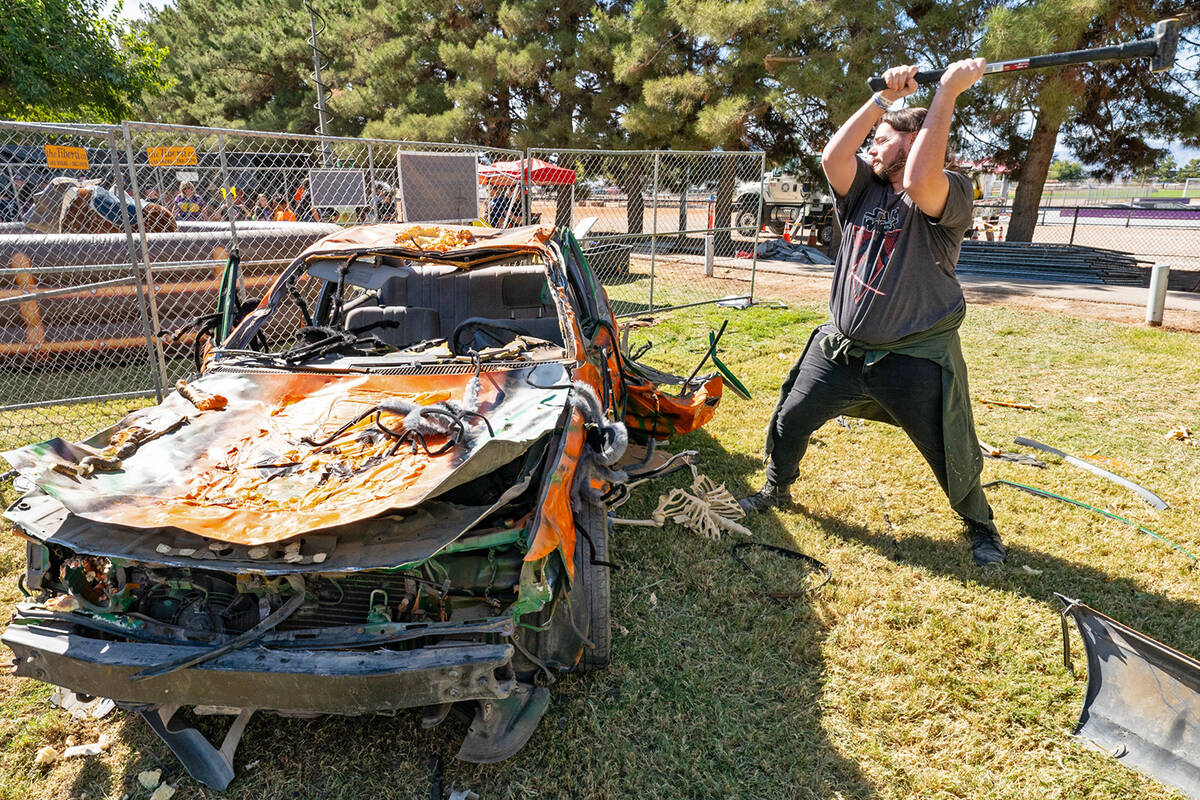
(879, 101)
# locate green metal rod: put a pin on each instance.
(1043, 493)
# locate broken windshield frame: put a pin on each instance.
(364, 272)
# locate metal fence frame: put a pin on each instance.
(657, 190)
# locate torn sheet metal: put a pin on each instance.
(554, 525)
(424, 239)
(1143, 699)
(395, 538)
(246, 475)
(659, 415)
(1147, 495)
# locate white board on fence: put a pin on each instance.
(182, 176)
(333, 188)
(438, 187)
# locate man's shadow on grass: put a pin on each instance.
(1125, 599)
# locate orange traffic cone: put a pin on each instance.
(812, 238)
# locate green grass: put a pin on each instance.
(912, 674)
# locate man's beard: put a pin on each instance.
(885, 171)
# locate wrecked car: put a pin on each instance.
(385, 488)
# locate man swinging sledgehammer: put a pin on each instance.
(891, 351)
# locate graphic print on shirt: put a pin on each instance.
(865, 271)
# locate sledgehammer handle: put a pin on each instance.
(1142, 47)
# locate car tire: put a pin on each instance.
(826, 235)
(593, 588)
(746, 221)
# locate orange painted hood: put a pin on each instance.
(243, 474)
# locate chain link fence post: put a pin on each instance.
(653, 229)
(156, 374)
(147, 272)
(228, 203)
(372, 191)
(758, 221)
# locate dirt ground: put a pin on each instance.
(800, 287)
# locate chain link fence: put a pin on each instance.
(663, 228)
(75, 319)
(1154, 222)
(101, 297)
(1155, 230)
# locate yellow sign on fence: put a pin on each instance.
(66, 157)
(171, 156)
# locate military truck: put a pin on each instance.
(785, 199)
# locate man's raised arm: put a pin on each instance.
(837, 159)
(924, 179)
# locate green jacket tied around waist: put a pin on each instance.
(939, 344)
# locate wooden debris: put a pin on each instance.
(1009, 404)
(1182, 434)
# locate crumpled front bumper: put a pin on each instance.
(288, 681)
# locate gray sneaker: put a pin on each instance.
(986, 547)
(770, 496)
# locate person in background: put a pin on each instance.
(283, 212)
(385, 206)
(224, 208)
(189, 205)
(302, 203)
(499, 206)
(263, 209)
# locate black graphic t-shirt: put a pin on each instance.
(894, 272)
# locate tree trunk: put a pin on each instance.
(562, 207)
(633, 185)
(1033, 178)
(723, 213)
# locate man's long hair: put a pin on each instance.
(906, 120)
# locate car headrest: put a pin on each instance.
(524, 290)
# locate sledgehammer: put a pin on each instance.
(1160, 49)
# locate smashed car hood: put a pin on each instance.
(241, 474)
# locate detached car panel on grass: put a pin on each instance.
(384, 490)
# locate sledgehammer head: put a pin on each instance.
(1166, 37)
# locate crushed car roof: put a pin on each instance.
(450, 242)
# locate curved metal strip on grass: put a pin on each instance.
(1043, 493)
(782, 551)
(1147, 495)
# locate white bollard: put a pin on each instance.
(708, 255)
(1157, 298)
